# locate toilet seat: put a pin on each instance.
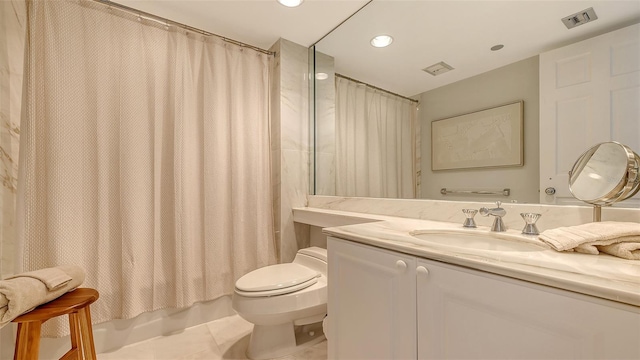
(276, 280)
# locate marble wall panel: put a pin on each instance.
(325, 104)
(290, 144)
(12, 41)
(294, 96)
(325, 173)
(295, 187)
(274, 89)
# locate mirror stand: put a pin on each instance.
(597, 213)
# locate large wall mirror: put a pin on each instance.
(474, 69)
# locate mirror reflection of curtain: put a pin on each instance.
(375, 142)
(12, 35)
(145, 156)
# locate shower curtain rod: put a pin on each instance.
(165, 21)
(377, 88)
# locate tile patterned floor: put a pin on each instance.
(226, 338)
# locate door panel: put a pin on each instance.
(589, 94)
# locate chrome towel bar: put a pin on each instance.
(504, 192)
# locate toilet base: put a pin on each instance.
(274, 341)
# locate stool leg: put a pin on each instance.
(28, 341)
(86, 330)
(74, 326)
(21, 344)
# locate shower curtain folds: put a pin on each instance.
(376, 142)
(144, 158)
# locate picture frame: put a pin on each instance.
(487, 138)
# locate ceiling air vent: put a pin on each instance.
(439, 68)
(579, 18)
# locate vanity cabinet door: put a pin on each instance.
(372, 302)
(468, 314)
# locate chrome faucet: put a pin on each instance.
(498, 212)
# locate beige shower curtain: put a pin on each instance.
(144, 157)
(375, 142)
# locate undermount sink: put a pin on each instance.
(477, 240)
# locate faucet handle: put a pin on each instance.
(530, 227)
(498, 203)
(469, 222)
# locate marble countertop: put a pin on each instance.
(515, 255)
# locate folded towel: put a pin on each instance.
(53, 278)
(624, 250)
(23, 293)
(594, 237)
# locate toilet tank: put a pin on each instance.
(314, 258)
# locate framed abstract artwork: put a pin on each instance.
(487, 138)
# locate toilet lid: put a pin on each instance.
(276, 277)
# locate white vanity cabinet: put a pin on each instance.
(433, 310)
(373, 298)
(469, 314)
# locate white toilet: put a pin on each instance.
(286, 303)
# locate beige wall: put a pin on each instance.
(517, 81)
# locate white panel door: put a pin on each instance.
(468, 314)
(372, 302)
(589, 93)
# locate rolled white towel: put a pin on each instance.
(53, 278)
(20, 294)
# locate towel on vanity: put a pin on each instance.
(625, 250)
(621, 239)
(23, 292)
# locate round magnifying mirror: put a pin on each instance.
(605, 174)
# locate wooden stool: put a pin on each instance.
(76, 304)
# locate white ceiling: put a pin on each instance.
(425, 31)
(255, 22)
(461, 34)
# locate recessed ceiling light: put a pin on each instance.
(290, 3)
(497, 47)
(322, 76)
(381, 41)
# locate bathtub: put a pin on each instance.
(112, 335)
